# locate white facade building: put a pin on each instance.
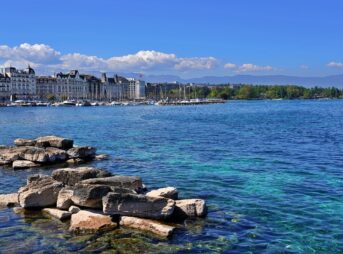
(136, 89)
(21, 83)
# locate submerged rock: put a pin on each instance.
(41, 192)
(24, 142)
(100, 157)
(190, 208)
(9, 200)
(57, 213)
(126, 182)
(168, 192)
(83, 152)
(85, 220)
(54, 141)
(138, 205)
(152, 226)
(23, 164)
(88, 195)
(71, 176)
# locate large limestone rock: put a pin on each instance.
(9, 200)
(85, 220)
(22, 164)
(24, 142)
(8, 155)
(127, 182)
(59, 214)
(190, 208)
(64, 198)
(53, 141)
(154, 227)
(138, 205)
(88, 195)
(71, 176)
(168, 192)
(83, 152)
(41, 192)
(40, 155)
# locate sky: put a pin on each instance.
(187, 38)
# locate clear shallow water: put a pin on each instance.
(271, 172)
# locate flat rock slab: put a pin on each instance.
(138, 206)
(71, 176)
(23, 164)
(8, 155)
(54, 141)
(24, 142)
(41, 192)
(85, 220)
(83, 152)
(9, 200)
(88, 195)
(168, 192)
(126, 182)
(41, 155)
(57, 213)
(190, 208)
(152, 226)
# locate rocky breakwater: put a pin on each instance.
(28, 153)
(94, 199)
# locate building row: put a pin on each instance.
(24, 84)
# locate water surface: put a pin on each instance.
(271, 172)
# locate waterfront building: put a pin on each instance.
(20, 84)
(136, 89)
(5, 91)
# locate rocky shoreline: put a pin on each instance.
(89, 197)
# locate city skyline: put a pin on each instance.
(188, 39)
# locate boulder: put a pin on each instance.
(138, 205)
(85, 220)
(41, 192)
(76, 161)
(74, 209)
(127, 182)
(71, 176)
(22, 164)
(190, 208)
(89, 195)
(57, 213)
(168, 192)
(35, 177)
(154, 227)
(8, 155)
(83, 152)
(53, 141)
(64, 198)
(24, 142)
(9, 200)
(48, 155)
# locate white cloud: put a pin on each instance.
(44, 57)
(248, 67)
(335, 64)
(230, 66)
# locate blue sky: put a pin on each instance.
(188, 38)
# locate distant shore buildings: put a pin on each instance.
(24, 84)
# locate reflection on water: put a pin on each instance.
(271, 172)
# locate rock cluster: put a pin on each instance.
(28, 153)
(93, 198)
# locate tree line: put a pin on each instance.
(247, 92)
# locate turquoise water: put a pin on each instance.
(271, 172)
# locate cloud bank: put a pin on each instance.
(248, 67)
(45, 58)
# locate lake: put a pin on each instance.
(270, 171)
